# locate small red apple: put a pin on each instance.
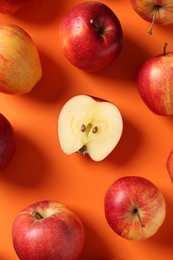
(91, 36)
(11, 6)
(134, 208)
(47, 230)
(155, 83)
(154, 11)
(7, 142)
(169, 165)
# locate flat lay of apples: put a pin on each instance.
(86, 130)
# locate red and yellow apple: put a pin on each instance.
(89, 126)
(155, 83)
(20, 66)
(47, 230)
(11, 6)
(91, 36)
(7, 142)
(135, 209)
(154, 11)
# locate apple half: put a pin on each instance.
(90, 126)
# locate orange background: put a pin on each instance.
(39, 170)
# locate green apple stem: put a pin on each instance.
(164, 48)
(153, 20)
(36, 214)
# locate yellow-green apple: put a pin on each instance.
(169, 164)
(47, 230)
(20, 66)
(11, 6)
(135, 208)
(154, 11)
(155, 83)
(91, 36)
(89, 126)
(7, 142)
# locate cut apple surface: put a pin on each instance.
(89, 126)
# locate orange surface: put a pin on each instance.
(39, 170)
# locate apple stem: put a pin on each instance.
(99, 29)
(164, 48)
(135, 211)
(153, 20)
(36, 214)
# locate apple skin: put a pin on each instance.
(20, 66)
(163, 10)
(169, 165)
(134, 208)
(155, 84)
(7, 142)
(58, 234)
(11, 6)
(91, 36)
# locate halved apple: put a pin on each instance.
(89, 126)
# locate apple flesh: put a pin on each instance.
(7, 142)
(20, 67)
(134, 208)
(89, 126)
(91, 36)
(169, 165)
(47, 230)
(155, 83)
(154, 11)
(11, 6)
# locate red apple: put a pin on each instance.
(20, 66)
(7, 142)
(154, 11)
(169, 165)
(91, 36)
(47, 230)
(155, 83)
(11, 6)
(134, 208)
(89, 126)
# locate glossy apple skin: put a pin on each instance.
(169, 165)
(7, 142)
(88, 46)
(58, 235)
(124, 197)
(146, 10)
(155, 84)
(11, 6)
(20, 66)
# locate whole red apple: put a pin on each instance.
(134, 208)
(7, 142)
(91, 36)
(11, 6)
(20, 66)
(154, 11)
(47, 230)
(155, 83)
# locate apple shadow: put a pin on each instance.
(127, 64)
(28, 166)
(128, 144)
(94, 247)
(47, 10)
(164, 236)
(50, 88)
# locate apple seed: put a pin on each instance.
(83, 128)
(94, 130)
